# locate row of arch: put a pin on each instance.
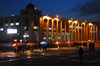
(66, 30)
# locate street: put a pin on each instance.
(53, 56)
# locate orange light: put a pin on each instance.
(35, 8)
(46, 17)
(58, 42)
(57, 15)
(69, 21)
(15, 45)
(68, 41)
(75, 22)
(90, 24)
(89, 40)
(83, 23)
(31, 43)
(56, 19)
(15, 40)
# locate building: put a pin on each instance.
(30, 25)
(56, 29)
(25, 26)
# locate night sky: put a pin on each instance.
(77, 9)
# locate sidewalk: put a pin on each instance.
(37, 50)
(2, 54)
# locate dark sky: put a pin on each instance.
(78, 9)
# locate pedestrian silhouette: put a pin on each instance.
(44, 47)
(81, 54)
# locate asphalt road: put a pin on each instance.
(57, 57)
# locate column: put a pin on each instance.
(78, 32)
(69, 31)
(81, 31)
(65, 31)
(75, 32)
(91, 32)
(41, 28)
(60, 30)
(47, 30)
(57, 31)
(87, 32)
(72, 30)
(52, 32)
(84, 32)
(96, 33)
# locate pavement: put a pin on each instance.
(53, 56)
(2, 54)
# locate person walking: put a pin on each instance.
(81, 54)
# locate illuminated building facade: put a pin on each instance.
(30, 25)
(55, 29)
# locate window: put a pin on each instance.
(1, 29)
(35, 27)
(49, 28)
(17, 23)
(25, 27)
(11, 31)
(6, 24)
(11, 24)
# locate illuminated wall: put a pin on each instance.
(55, 29)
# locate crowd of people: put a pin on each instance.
(22, 48)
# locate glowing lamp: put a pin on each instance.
(75, 22)
(58, 42)
(46, 17)
(69, 21)
(90, 24)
